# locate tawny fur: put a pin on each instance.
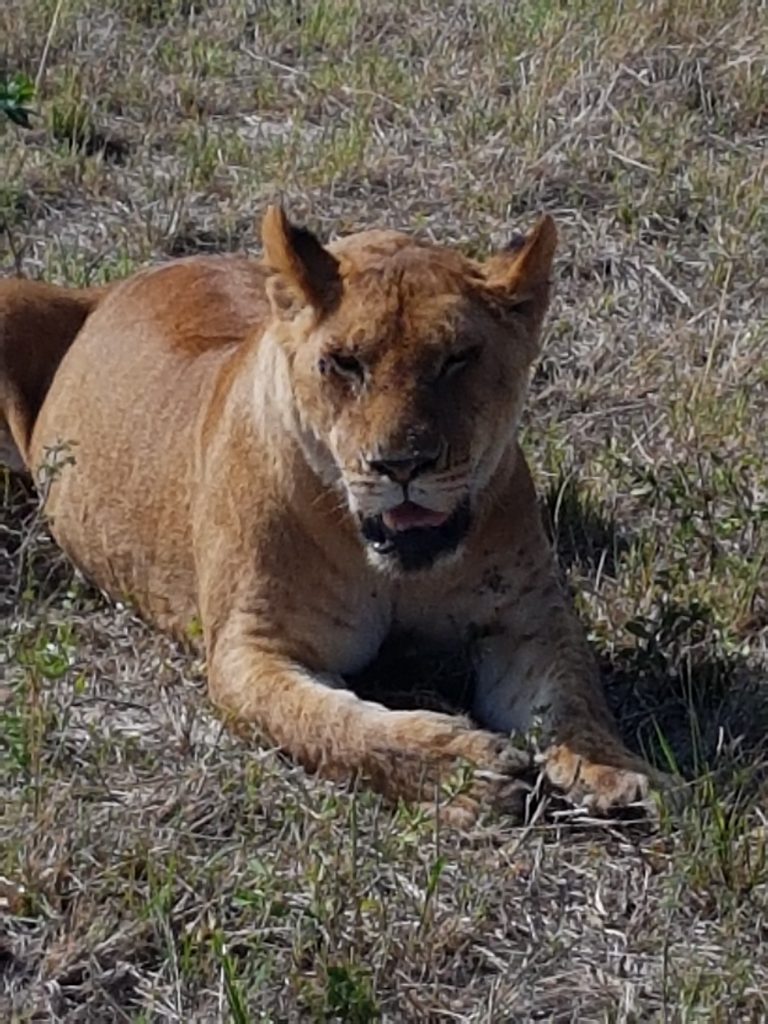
(38, 323)
(221, 459)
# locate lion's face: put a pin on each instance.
(409, 367)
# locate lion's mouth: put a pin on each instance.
(410, 516)
(413, 536)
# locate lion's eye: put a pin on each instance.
(343, 364)
(458, 361)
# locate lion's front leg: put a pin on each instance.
(536, 667)
(404, 754)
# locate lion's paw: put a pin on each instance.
(623, 780)
(494, 778)
(469, 770)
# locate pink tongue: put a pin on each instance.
(409, 516)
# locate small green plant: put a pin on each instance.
(349, 996)
(43, 657)
(236, 1000)
(16, 93)
(14, 756)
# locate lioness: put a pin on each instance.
(308, 453)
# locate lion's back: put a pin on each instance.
(117, 430)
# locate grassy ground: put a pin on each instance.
(152, 868)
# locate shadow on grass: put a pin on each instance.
(408, 675)
(580, 530)
(679, 692)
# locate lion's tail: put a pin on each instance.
(38, 323)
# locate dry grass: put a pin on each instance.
(156, 870)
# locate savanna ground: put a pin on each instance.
(155, 869)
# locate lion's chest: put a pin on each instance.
(353, 630)
(447, 613)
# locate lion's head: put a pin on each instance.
(409, 366)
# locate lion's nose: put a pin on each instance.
(403, 468)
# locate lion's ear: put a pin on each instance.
(307, 274)
(521, 274)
